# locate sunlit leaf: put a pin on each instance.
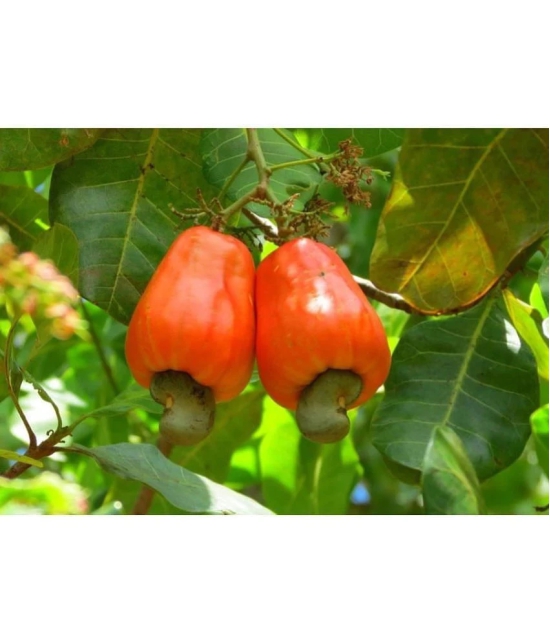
(471, 373)
(539, 424)
(523, 318)
(20, 210)
(186, 490)
(449, 482)
(543, 281)
(464, 203)
(12, 455)
(28, 149)
(116, 199)
(299, 476)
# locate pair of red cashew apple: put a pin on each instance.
(207, 313)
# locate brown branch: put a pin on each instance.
(44, 449)
(393, 300)
(145, 498)
(265, 225)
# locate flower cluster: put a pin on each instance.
(34, 286)
(347, 173)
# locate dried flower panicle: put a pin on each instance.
(34, 286)
(347, 173)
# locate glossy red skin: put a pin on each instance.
(197, 314)
(312, 316)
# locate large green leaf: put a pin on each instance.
(59, 244)
(539, 424)
(464, 204)
(470, 373)
(449, 482)
(374, 140)
(302, 477)
(223, 150)
(116, 198)
(28, 149)
(185, 490)
(235, 422)
(20, 210)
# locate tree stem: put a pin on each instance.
(11, 391)
(99, 349)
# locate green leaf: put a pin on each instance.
(299, 476)
(279, 457)
(28, 178)
(449, 482)
(539, 425)
(28, 149)
(20, 210)
(374, 141)
(524, 319)
(116, 199)
(12, 455)
(60, 245)
(543, 280)
(235, 422)
(185, 490)
(470, 373)
(464, 203)
(223, 150)
(327, 477)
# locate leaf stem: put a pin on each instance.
(233, 176)
(294, 143)
(308, 161)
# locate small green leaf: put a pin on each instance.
(449, 482)
(28, 149)
(12, 455)
(20, 209)
(187, 491)
(60, 245)
(539, 425)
